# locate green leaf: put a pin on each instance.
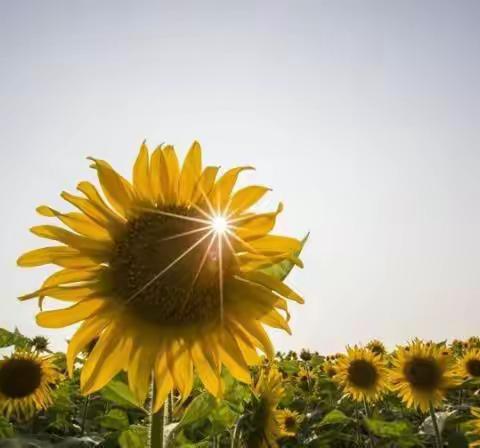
(115, 419)
(334, 417)
(134, 437)
(281, 270)
(457, 440)
(200, 408)
(119, 393)
(6, 428)
(15, 338)
(384, 429)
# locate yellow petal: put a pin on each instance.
(163, 382)
(108, 357)
(274, 319)
(220, 195)
(273, 284)
(68, 316)
(78, 222)
(256, 226)
(271, 244)
(191, 171)
(141, 177)
(206, 370)
(159, 175)
(173, 171)
(245, 198)
(62, 256)
(116, 189)
(140, 368)
(66, 276)
(256, 333)
(232, 357)
(67, 293)
(180, 366)
(205, 184)
(81, 243)
(87, 332)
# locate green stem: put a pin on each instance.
(156, 428)
(367, 414)
(236, 436)
(86, 402)
(438, 435)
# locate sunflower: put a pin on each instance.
(362, 374)
(422, 374)
(468, 366)
(329, 368)
(289, 422)
(264, 426)
(25, 384)
(169, 272)
(304, 376)
(376, 347)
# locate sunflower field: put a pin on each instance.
(172, 280)
(296, 400)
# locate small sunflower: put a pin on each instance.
(168, 272)
(329, 368)
(362, 374)
(468, 366)
(377, 347)
(289, 422)
(264, 427)
(422, 374)
(25, 384)
(304, 375)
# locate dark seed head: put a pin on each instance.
(19, 377)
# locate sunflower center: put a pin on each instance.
(473, 367)
(19, 377)
(290, 422)
(423, 374)
(166, 267)
(362, 374)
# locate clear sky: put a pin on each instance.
(362, 115)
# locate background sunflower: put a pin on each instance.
(26, 380)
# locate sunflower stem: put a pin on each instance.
(438, 435)
(157, 422)
(237, 432)
(86, 402)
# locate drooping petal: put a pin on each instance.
(206, 369)
(87, 332)
(232, 357)
(59, 255)
(68, 316)
(273, 284)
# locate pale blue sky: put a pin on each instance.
(362, 115)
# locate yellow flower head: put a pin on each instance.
(329, 368)
(376, 347)
(25, 384)
(468, 366)
(362, 374)
(167, 271)
(289, 422)
(304, 375)
(265, 427)
(422, 374)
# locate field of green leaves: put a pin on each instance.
(320, 413)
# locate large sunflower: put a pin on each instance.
(422, 374)
(362, 374)
(25, 384)
(167, 272)
(264, 427)
(468, 366)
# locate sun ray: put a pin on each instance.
(241, 241)
(204, 258)
(179, 235)
(220, 274)
(173, 263)
(174, 215)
